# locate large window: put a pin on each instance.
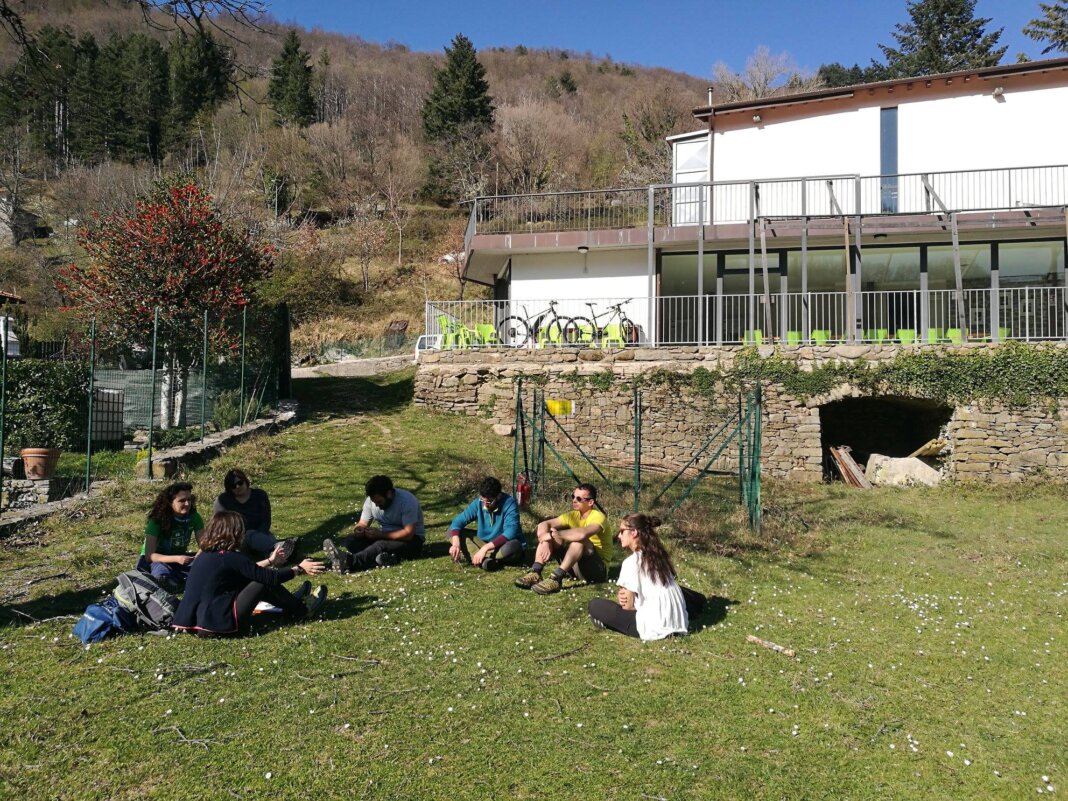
(974, 266)
(1031, 263)
(890, 268)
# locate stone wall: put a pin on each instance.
(990, 442)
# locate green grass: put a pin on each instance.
(925, 622)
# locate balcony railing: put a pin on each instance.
(1037, 313)
(741, 201)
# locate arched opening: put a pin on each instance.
(891, 426)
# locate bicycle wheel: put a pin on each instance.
(630, 331)
(550, 331)
(578, 331)
(513, 331)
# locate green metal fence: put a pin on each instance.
(738, 435)
(108, 403)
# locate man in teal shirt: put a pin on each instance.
(496, 516)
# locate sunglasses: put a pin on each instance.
(577, 499)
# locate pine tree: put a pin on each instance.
(145, 98)
(200, 73)
(290, 89)
(942, 36)
(1052, 27)
(87, 96)
(459, 100)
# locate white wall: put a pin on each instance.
(609, 274)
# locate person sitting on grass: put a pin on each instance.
(255, 507)
(576, 540)
(172, 522)
(496, 518)
(224, 585)
(651, 604)
(400, 533)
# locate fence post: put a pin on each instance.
(244, 321)
(92, 381)
(152, 395)
(3, 402)
(204, 378)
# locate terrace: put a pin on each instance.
(919, 258)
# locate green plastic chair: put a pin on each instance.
(955, 336)
(485, 334)
(793, 337)
(1004, 334)
(585, 334)
(934, 335)
(754, 337)
(454, 334)
(820, 336)
(613, 333)
(906, 336)
(551, 335)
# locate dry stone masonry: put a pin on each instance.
(987, 442)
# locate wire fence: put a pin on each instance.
(96, 403)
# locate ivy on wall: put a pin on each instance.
(1015, 373)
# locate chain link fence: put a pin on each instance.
(91, 406)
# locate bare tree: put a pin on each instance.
(765, 75)
(369, 238)
(400, 179)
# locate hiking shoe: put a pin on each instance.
(387, 560)
(528, 580)
(302, 591)
(491, 565)
(337, 559)
(547, 586)
(598, 624)
(284, 549)
(316, 603)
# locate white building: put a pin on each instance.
(918, 210)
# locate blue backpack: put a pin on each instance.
(103, 620)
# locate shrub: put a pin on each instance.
(47, 404)
(226, 413)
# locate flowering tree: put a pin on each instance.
(174, 253)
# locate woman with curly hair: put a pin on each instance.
(651, 605)
(172, 522)
(224, 585)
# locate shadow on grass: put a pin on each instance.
(47, 607)
(323, 398)
(715, 611)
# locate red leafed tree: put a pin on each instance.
(174, 253)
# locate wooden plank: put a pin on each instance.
(933, 447)
(849, 469)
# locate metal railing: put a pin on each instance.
(721, 202)
(1034, 313)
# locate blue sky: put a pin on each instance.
(685, 35)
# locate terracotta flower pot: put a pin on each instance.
(40, 462)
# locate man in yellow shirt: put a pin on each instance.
(576, 539)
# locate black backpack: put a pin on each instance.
(139, 594)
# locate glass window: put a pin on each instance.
(678, 273)
(736, 275)
(891, 268)
(1031, 263)
(974, 266)
(826, 271)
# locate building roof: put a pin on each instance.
(9, 297)
(986, 73)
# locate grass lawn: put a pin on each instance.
(929, 628)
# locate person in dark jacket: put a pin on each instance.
(254, 505)
(224, 585)
(496, 518)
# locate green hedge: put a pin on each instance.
(46, 405)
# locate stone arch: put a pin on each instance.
(888, 424)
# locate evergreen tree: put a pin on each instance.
(200, 74)
(87, 99)
(290, 89)
(459, 101)
(839, 75)
(942, 36)
(48, 74)
(145, 98)
(1051, 27)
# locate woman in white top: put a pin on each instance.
(651, 603)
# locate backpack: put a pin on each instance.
(103, 620)
(151, 605)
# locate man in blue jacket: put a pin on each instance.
(497, 518)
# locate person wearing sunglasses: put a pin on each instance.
(651, 604)
(496, 518)
(576, 540)
(254, 506)
(399, 533)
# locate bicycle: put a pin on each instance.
(516, 331)
(578, 330)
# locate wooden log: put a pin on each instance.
(770, 645)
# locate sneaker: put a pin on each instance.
(387, 560)
(598, 624)
(547, 586)
(491, 565)
(528, 580)
(337, 559)
(287, 546)
(316, 603)
(302, 591)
